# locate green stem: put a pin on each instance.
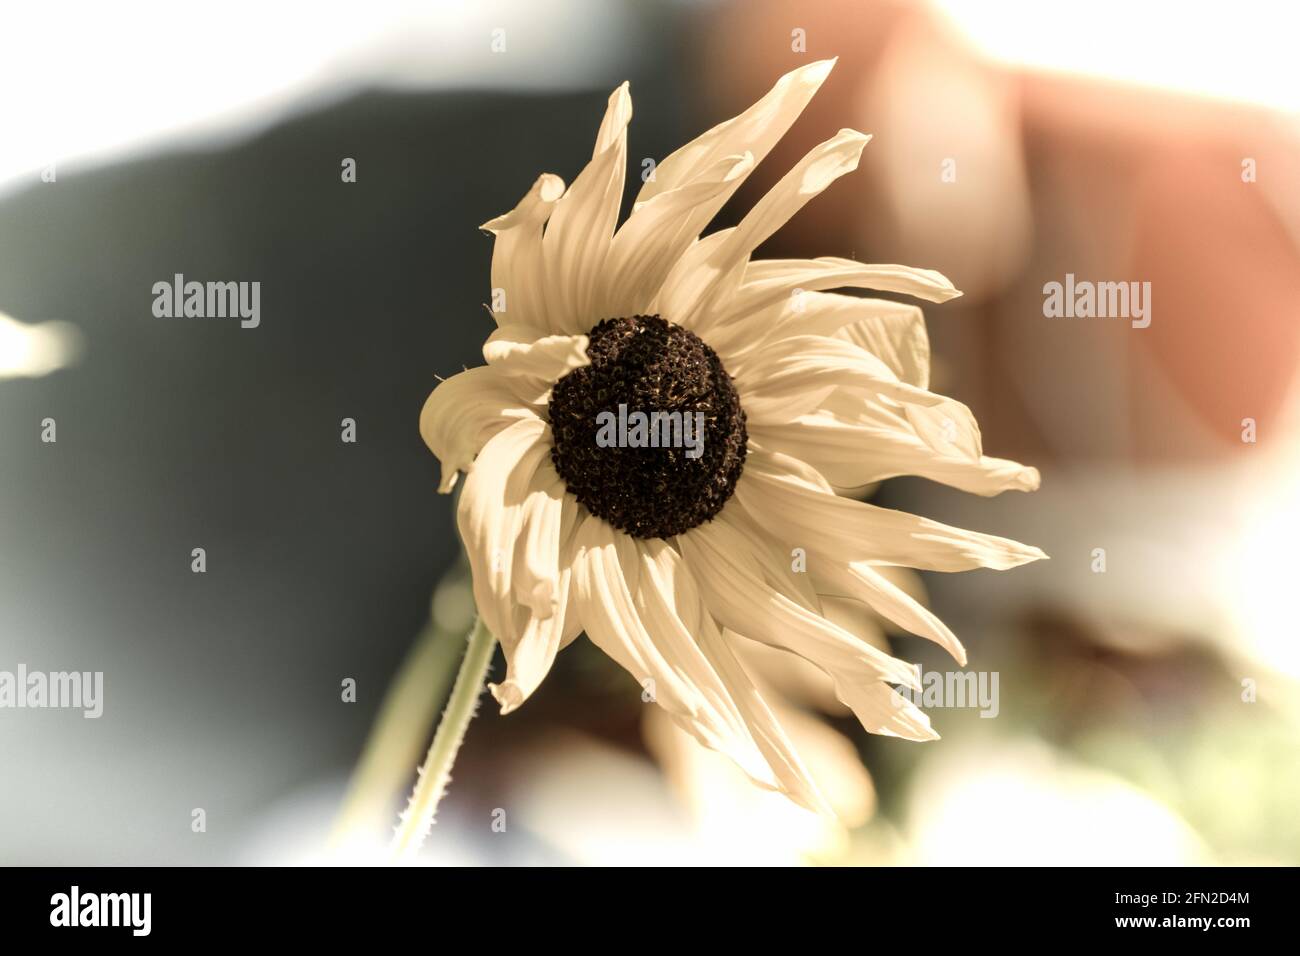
(435, 774)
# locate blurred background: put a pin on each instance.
(1148, 674)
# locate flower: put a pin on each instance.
(670, 558)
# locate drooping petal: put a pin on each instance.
(579, 234)
(610, 617)
(801, 508)
(787, 768)
(541, 580)
(778, 564)
(640, 606)
(674, 611)
(490, 515)
(866, 584)
(732, 579)
(736, 593)
(535, 571)
(533, 360)
(463, 413)
(517, 268)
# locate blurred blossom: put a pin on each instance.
(724, 803)
(727, 810)
(1257, 570)
(1027, 805)
(948, 153)
(623, 817)
(1244, 55)
(294, 830)
(290, 54)
(35, 350)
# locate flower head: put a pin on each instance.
(657, 447)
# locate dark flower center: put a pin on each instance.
(650, 436)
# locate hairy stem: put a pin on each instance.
(435, 774)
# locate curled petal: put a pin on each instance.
(491, 513)
(517, 268)
(541, 579)
(463, 413)
(533, 360)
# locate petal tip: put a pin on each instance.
(448, 482)
(508, 695)
(820, 69)
(550, 187)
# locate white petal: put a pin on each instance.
(517, 267)
(801, 509)
(882, 710)
(895, 333)
(610, 617)
(532, 359)
(541, 580)
(864, 583)
(577, 239)
(777, 565)
(530, 654)
(832, 759)
(463, 413)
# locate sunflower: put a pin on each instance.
(672, 555)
